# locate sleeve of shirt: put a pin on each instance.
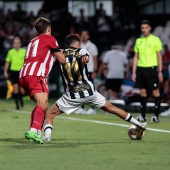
(105, 58)
(84, 52)
(54, 45)
(136, 50)
(8, 57)
(158, 45)
(95, 50)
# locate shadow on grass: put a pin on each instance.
(21, 144)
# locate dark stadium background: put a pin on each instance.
(130, 12)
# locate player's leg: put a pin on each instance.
(38, 92)
(37, 117)
(15, 81)
(143, 101)
(153, 85)
(108, 107)
(63, 105)
(38, 114)
(16, 95)
(50, 115)
(142, 84)
(21, 94)
(99, 101)
(156, 95)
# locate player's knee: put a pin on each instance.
(43, 104)
(109, 108)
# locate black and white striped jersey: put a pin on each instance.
(75, 76)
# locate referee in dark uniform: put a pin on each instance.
(14, 62)
(147, 69)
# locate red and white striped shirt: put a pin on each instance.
(39, 59)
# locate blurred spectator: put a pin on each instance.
(2, 37)
(115, 61)
(102, 21)
(166, 54)
(116, 19)
(167, 92)
(82, 22)
(92, 65)
(8, 42)
(14, 62)
(165, 60)
(19, 14)
(129, 47)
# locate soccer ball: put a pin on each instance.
(135, 133)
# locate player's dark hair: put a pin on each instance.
(145, 22)
(72, 38)
(41, 24)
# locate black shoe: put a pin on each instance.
(154, 119)
(141, 119)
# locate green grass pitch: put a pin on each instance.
(81, 145)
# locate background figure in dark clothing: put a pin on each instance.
(14, 62)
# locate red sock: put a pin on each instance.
(37, 118)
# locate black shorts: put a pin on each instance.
(14, 77)
(114, 84)
(147, 78)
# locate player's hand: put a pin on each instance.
(85, 59)
(160, 77)
(5, 75)
(134, 77)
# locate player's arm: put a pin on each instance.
(95, 62)
(6, 66)
(134, 66)
(160, 76)
(95, 67)
(84, 56)
(7, 63)
(56, 51)
(60, 57)
(159, 57)
(103, 67)
(85, 59)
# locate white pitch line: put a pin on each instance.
(109, 123)
(91, 121)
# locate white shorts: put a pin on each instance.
(68, 105)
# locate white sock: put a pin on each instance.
(38, 132)
(132, 120)
(34, 130)
(47, 130)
